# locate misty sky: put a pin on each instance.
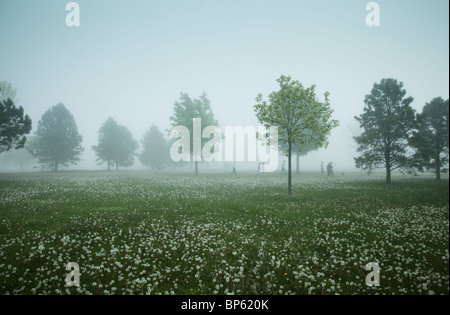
(131, 59)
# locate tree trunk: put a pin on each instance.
(297, 170)
(388, 175)
(109, 165)
(56, 166)
(117, 166)
(196, 168)
(438, 168)
(290, 169)
(387, 157)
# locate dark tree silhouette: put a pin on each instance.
(387, 124)
(13, 126)
(430, 140)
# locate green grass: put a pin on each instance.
(173, 233)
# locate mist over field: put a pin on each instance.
(131, 61)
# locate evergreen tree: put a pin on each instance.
(57, 141)
(116, 145)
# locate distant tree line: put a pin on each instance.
(393, 137)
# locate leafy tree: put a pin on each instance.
(387, 124)
(302, 119)
(155, 153)
(13, 126)
(116, 145)
(186, 109)
(57, 141)
(430, 140)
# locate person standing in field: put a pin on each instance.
(233, 172)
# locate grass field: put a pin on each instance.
(169, 233)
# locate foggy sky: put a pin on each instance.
(131, 59)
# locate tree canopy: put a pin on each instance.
(430, 139)
(14, 126)
(301, 118)
(155, 150)
(8, 91)
(185, 110)
(57, 141)
(387, 124)
(116, 145)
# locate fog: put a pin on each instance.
(130, 60)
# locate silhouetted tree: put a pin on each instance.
(155, 152)
(186, 109)
(116, 145)
(13, 126)
(57, 141)
(430, 140)
(387, 124)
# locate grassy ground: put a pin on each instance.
(169, 233)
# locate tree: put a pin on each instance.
(57, 141)
(116, 145)
(13, 126)
(430, 140)
(302, 151)
(155, 153)
(302, 119)
(186, 109)
(7, 91)
(387, 123)
(21, 158)
(298, 150)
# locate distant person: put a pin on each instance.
(283, 168)
(262, 168)
(233, 172)
(259, 169)
(332, 171)
(321, 167)
(329, 169)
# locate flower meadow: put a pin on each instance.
(173, 233)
